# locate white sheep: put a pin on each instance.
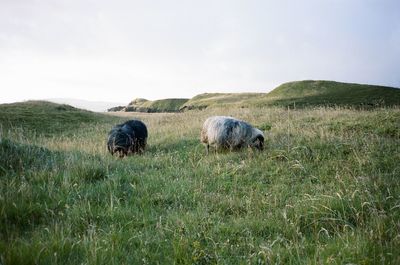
(229, 133)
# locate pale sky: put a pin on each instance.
(119, 50)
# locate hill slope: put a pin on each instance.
(162, 105)
(219, 99)
(46, 117)
(311, 93)
(304, 94)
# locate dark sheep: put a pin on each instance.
(127, 138)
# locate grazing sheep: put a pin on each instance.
(127, 138)
(229, 133)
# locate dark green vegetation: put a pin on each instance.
(162, 105)
(325, 191)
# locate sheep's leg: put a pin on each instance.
(207, 148)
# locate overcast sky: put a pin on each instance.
(119, 50)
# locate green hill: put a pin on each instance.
(162, 105)
(135, 104)
(47, 118)
(304, 94)
(312, 93)
(219, 99)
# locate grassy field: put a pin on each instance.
(325, 191)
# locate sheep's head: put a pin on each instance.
(120, 143)
(258, 139)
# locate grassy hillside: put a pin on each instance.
(135, 104)
(48, 118)
(219, 100)
(325, 190)
(329, 93)
(304, 94)
(162, 105)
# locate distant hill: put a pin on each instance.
(303, 94)
(297, 94)
(219, 99)
(135, 104)
(164, 105)
(47, 117)
(144, 105)
(329, 93)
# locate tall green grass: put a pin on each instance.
(325, 191)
